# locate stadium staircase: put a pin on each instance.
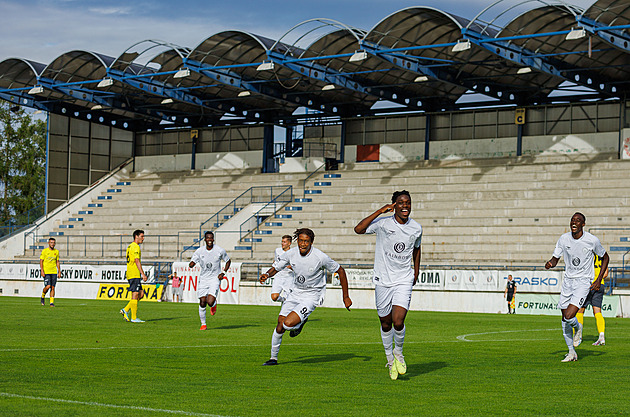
(507, 212)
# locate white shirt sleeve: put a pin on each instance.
(418, 240)
(330, 264)
(281, 262)
(557, 252)
(374, 226)
(599, 249)
(195, 258)
(224, 255)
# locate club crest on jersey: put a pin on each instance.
(575, 261)
(300, 279)
(399, 247)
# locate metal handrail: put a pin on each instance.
(275, 201)
(309, 176)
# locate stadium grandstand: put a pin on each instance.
(500, 125)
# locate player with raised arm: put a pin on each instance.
(578, 249)
(50, 270)
(283, 280)
(308, 264)
(396, 269)
(209, 259)
(595, 299)
(135, 274)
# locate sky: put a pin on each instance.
(41, 30)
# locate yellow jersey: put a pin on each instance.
(133, 253)
(50, 258)
(597, 262)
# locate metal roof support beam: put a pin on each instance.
(23, 99)
(613, 35)
(409, 63)
(224, 76)
(548, 65)
(318, 72)
(160, 89)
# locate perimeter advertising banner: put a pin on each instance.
(107, 273)
(533, 281)
(547, 304)
(121, 292)
(430, 279)
(13, 271)
(474, 280)
(228, 291)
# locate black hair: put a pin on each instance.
(52, 238)
(208, 232)
(580, 214)
(288, 237)
(398, 194)
(304, 231)
(137, 233)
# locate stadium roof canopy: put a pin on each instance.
(416, 59)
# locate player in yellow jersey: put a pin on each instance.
(135, 276)
(50, 270)
(594, 299)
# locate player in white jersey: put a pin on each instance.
(283, 280)
(396, 268)
(308, 264)
(209, 259)
(578, 249)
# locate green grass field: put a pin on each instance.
(81, 358)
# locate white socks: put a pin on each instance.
(276, 341)
(399, 338)
(202, 315)
(567, 331)
(388, 342)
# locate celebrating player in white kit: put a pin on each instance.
(209, 259)
(308, 264)
(398, 239)
(578, 249)
(283, 280)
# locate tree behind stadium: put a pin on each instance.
(22, 164)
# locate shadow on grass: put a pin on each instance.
(335, 357)
(581, 353)
(234, 326)
(416, 369)
(165, 318)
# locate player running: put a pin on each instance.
(135, 276)
(578, 248)
(396, 268)
(50, 270)
(283, 280)
(308, 264)
(209, 259)
(595, 299)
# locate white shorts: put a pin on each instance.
(282, 282)
(574, 291)
(208, 287)
(386, 297)
(302, 305)
(177, 291)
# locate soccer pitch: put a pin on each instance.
(81, 358)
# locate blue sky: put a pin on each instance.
(41, 30)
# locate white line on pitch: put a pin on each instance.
(95, 404)
(464, 337)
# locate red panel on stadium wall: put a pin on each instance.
(368, 153)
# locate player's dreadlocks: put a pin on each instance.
(304, 231)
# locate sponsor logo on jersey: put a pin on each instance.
(575, 261)
(300, 279)
(399, 247)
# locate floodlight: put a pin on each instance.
(462, 45)
(524, 70)
(266, 66)
(166, 101)
(421, 79)
(359, 55)
(38, 89)
(182, 73)
(97, 107)
(105, 82)
(328, 87)
(574, 34)
(244, 94)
